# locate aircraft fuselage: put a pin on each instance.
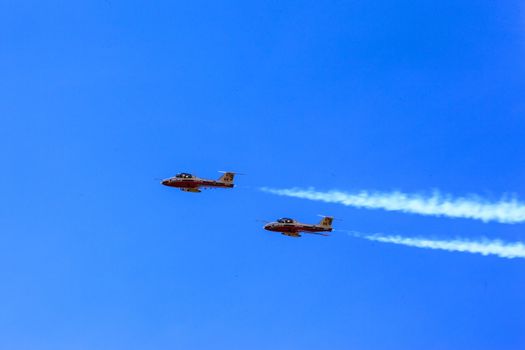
(294, 229)
(194, 183)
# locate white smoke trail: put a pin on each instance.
(483, 247)
(503, 211)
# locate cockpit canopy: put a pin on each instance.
(184, 176)
(286, 221)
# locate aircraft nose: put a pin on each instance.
(164, 182)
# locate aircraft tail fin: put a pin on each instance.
(227, 177)
(326, 221)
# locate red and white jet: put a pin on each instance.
(190, 183)
(290, 227)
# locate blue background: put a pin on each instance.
(101, 98)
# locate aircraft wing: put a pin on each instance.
(318, 233)
(190, 189)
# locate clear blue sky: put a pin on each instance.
(99, 98)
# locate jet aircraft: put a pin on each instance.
(190, 183)
(292, 228)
